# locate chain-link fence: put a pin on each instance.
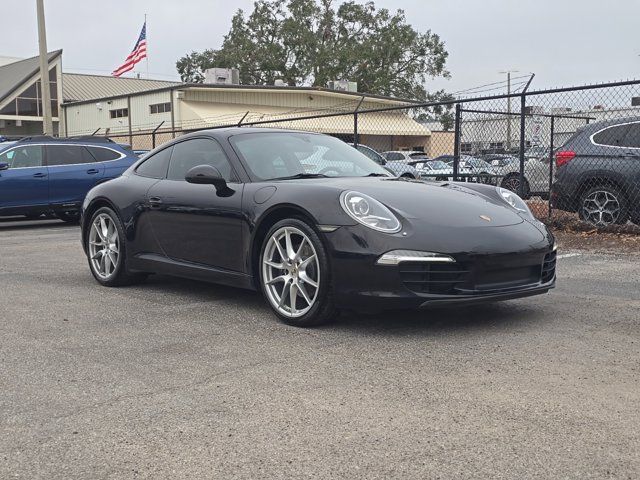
(572, 153)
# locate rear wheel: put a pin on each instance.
(106, 250)
(512, 182)
(295, 275)
(604, 205)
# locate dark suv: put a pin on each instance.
(45, 175)
(598, 173)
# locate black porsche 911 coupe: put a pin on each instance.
(314, 224)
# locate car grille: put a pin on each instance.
(549, 267)
(437, 278)
(477, 275)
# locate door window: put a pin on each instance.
(393, 156)
(611, 136)
(156, 165)
(67, 155)
(199, 151)
(23, 157)
(632, 139)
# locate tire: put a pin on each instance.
(69, 216)
(512, 182)
(603, 205)
(303, 266)
(407, 175)
(108, 265)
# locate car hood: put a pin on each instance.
(436, 204)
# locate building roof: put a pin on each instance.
(78, 87)
(98, 94)
(13, 75)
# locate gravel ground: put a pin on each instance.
(180, 379)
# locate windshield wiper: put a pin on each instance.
(302, 175)
(374, 174)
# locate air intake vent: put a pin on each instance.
(436, 278)
(549, 267)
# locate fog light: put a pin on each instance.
(394, 257)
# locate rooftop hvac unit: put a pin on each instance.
(222, 76)
(279, 83)
(342, 85)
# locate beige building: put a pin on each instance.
(173, 107)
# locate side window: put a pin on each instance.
(156, 165)
(102, 154)
(371, 154)
(199, 151)
(612, 136)
(67, 155)
(632, 139)
(23, 157)
(395, 156)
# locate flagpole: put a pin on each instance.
(147, 35)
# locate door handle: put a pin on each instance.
(93, 171)
(155, 201)
(39, 175)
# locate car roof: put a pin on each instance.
(87, 139)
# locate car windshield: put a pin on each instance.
(283, 155)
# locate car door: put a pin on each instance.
(73, 171)
(192, 223)
(24, 185)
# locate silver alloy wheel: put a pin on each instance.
(512, 183)
(104, 246)
(291, 272)
(601, 208)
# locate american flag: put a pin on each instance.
(138, 53)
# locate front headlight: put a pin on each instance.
(369, 212)
(514, 201)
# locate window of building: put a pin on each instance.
(466, 147)
(119, 113)
(28, 103)
(160, 107)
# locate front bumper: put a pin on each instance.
(493, 273)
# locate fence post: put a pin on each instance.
(153, 135)
(553, 126)
(356, 137)
(456, 141)
(523, 105)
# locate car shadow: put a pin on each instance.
(432, 321)
(12, 223)
(491, 316)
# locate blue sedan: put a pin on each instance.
(45, 175)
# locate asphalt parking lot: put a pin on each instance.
(180, 379)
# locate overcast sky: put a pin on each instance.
(565, 42)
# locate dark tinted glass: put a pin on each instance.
(613, 136)
(375, 156)
(633, 136)
(394, 156)
(67, 155)
(156, 165)
(22, 157)
(199, 151)
(103, 154)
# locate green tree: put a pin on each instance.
(309, 42)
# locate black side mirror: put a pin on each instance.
(4, 166)
(208, 175)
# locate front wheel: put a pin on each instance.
(295, 275)
(106, 250)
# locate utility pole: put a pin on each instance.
(47, 122)
(509, 72)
